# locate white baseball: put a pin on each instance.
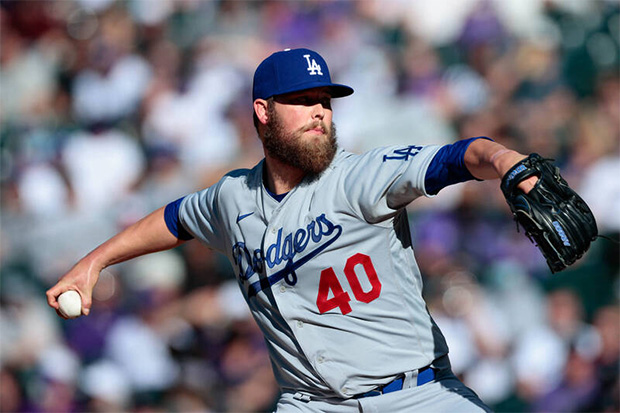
(70, 304)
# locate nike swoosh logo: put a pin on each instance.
(240, 217)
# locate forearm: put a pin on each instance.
(490, 160)
(146, 236)
(486, 159)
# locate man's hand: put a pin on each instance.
(81, 278)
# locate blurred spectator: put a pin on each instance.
(58, 370)
(577, 391)
(190, 118)
(106, 386)
(27, 328)
(143, 356)
(102, 165)
(114, 79)
(601, 190)
(11, 394)
(543, 352)
(607, 323)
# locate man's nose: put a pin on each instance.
(318, 111)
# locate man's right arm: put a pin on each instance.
(150, 234)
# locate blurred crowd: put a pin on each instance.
(111, 109)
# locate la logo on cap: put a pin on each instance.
(313, 67)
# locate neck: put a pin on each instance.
(280, 177)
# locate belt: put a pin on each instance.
(425, 375)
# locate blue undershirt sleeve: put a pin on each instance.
(171, 216)
(448, 166)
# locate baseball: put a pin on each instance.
(70, 304)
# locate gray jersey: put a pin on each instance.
(329, 272)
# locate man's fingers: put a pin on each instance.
(52, 296)
(87, 302)
(54, 292)
(527, 184)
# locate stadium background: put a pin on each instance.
(111, 109)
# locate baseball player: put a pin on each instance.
(320, 243)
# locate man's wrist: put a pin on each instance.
(504, 159)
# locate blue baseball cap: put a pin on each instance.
(292, 70)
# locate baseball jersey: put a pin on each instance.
(328, 271)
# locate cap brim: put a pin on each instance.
(337, 90)
(340, 91)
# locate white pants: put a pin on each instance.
(446, 394)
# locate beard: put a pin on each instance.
(312, 157)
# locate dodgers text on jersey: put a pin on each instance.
(317, 235)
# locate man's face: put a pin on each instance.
(300, 131)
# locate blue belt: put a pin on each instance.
(425, 375)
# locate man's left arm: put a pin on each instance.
(486, 159)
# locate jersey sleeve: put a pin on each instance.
(448, 166)
(199, 216)
(171, 216)
(387, 179)
(383, 180)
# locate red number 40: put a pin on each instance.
(329, 282)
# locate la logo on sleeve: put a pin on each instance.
(313, 67)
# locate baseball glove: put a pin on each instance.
(553, 216)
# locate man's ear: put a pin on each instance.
(261, 110)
